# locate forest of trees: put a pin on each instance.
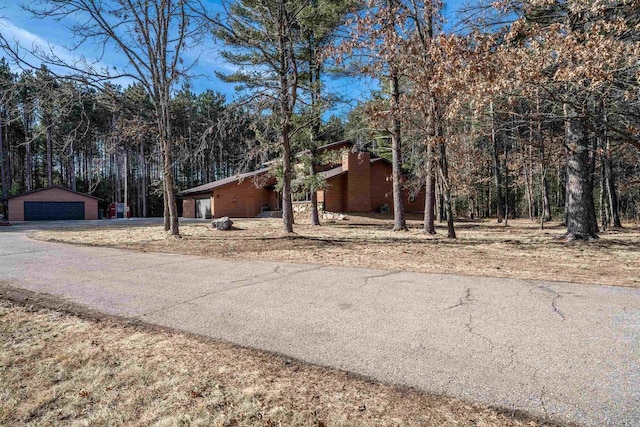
(61, 133)
(517, 109)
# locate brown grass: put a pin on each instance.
(483, 248)
(57, 369)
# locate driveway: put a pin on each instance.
(567, 351)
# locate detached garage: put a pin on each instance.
(52, 204)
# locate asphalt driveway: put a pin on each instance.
(567, 351)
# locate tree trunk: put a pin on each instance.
(315, 218)
(145, 203)
(171, 208)
(399, 222)
(528, 181)
(49, 157)
(138, 175)
(287, 203)
(444, 172)
(546, 216)
(506, 186)
(287, 100)
(611, 186)
(430, 194)
(565, 219)
(165, 207)
(544, 185)
(559, 181)
(472, 206)
(605, 221)
(87, 171)
(496, 166)
(3, 176)
(440, 208)
(143, 179)
(71, 169)
(28, 172)
(118, 198)
(28, 169)
(487, 201)
(126, 182)
(313, 170)
(592, 174)
(314, 80)
(580, 207)
(174, 228)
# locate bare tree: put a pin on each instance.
(153, 36)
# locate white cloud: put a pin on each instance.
(28, 40)
(208, 58)
(52, 37)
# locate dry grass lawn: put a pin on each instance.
(58, 369)
(483, 248)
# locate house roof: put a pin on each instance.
(380, 159)
(332, 173)
(335, 145)
(60, 187)
(331, 146)
(235, 178)
(221, 182)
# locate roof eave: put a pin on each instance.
(239, 178)
(51, 187)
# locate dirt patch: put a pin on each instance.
(483, 248)
(58, 368)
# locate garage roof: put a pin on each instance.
(52, 187)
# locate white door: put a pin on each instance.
(203, 208)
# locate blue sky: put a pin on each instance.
(16, 24)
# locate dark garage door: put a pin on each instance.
(53, 211)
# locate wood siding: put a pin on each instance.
(242, 200)
(189, 206)
(334, 194)
(381, 186)
(417, 205)
(358, 191)
(382, 190)
(365, 187)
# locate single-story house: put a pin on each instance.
(53, 203)
(239, 196)
(358, 184)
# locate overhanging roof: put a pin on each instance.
(380, 159)
(221, 182)
(60, 187)
(331, 146)
(332, 173)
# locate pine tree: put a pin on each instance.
(263, 39)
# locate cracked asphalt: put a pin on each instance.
(569, 352)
